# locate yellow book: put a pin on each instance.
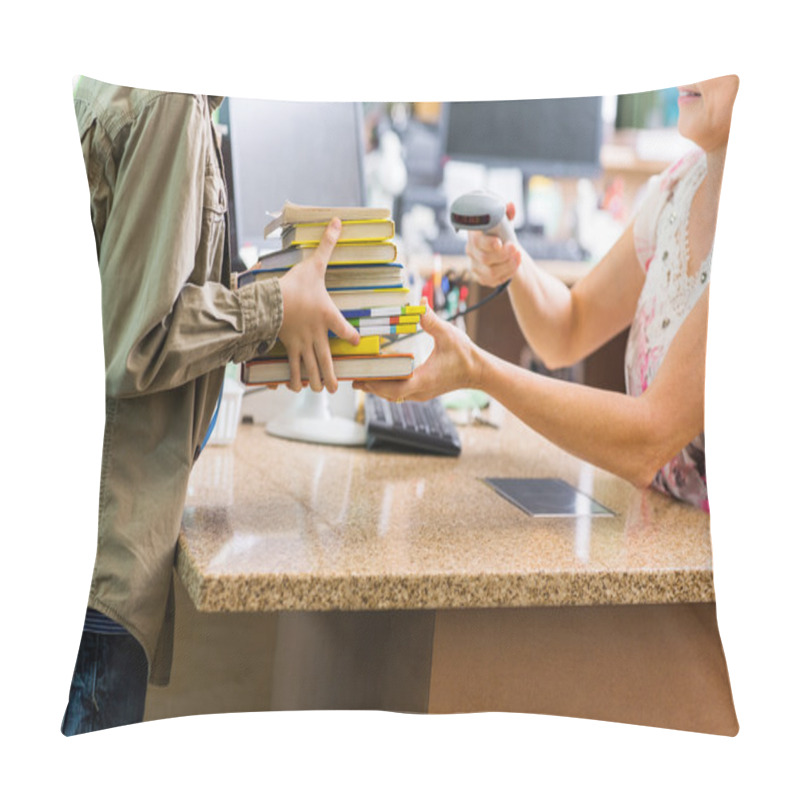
(372, 230)
(367, 346)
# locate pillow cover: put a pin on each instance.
(237, 571)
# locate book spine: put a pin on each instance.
(370, 322)
(358, 287)
(376, 289)
(245, 278)
(385, 311)
(258, 273)
(269, 371)
(388, 330)
(349, 298)
(390, 267)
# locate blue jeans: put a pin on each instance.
(108, 686)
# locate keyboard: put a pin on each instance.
(424, 427)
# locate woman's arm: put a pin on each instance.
(562, 325)
(630, 436)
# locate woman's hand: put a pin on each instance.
(493, 261)
(454, 363)
(308, 315)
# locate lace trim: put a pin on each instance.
(669, 292)
(672, 236)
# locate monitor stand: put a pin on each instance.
(309, 419)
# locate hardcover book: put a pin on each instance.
(380, 366)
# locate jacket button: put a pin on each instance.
(262, 348)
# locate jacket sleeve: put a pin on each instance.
(167, 317)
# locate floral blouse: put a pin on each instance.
(661, 238)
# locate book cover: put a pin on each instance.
(352, 231)
(387, 366)
(293, 214)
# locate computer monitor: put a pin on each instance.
(558, 137)
(311, 153)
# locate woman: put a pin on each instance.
(655, 279)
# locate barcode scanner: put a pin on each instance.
(482, 211)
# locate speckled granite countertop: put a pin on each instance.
(277, 525)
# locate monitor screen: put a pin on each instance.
(555, 137)
(307, 152)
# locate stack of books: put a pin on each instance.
(363, 279)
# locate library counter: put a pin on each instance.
(366, 580)
(275, 525)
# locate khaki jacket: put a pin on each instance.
(170, 324)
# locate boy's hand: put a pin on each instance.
(308, 315)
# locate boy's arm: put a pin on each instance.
(164, 323)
